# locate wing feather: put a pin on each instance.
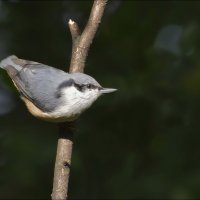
(39, 83)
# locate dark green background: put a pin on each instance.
(142, 141)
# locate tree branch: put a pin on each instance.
(63, 161)
(80, 47)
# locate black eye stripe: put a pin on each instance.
(67, 83)
(79, 87)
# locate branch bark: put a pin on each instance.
(80, 47)
(82, 42)
(63, 161)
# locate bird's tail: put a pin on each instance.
(10, 61)
(12, 65)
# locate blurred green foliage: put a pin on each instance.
(141, 142)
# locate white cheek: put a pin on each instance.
(70, 94)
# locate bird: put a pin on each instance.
(51, 94)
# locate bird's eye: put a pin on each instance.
(89, 86)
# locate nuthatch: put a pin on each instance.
(52, 94)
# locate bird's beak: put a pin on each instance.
(107, 90)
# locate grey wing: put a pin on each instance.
(39, 83)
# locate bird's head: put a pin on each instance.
(81, 90)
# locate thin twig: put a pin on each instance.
(80, 47)
(74, 29)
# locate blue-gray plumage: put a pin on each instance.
(60, 96)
